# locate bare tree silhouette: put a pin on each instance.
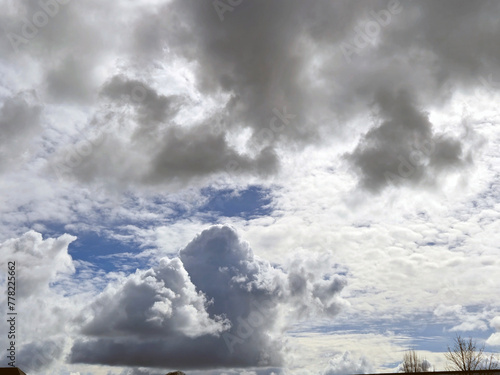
(412, 362)
(466, 356)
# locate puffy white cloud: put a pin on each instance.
(159, 302)
(43, 315)
(345, 364)
(494, 339)
(468, 321)
(39, 262)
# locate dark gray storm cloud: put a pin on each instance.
(152, 108)
(140, 141)
(404, 148)
(291, 74)
(68, 46)
(265, 65)
(380, 47)
(217, 305)
(198, 152)
(178, 157)
(259, 54)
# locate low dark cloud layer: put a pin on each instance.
(214, 306)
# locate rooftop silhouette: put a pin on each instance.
(11, 371)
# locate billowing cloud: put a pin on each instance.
(39, 264)
(259, 70)
(39, 261)
(158, 302)
(217, 305)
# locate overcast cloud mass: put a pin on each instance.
(248, 186)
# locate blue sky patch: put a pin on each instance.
(247, 203)
(108, 254)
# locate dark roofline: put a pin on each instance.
(11, 370)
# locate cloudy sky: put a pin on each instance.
(248, 187)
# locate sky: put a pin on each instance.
(248, 187)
